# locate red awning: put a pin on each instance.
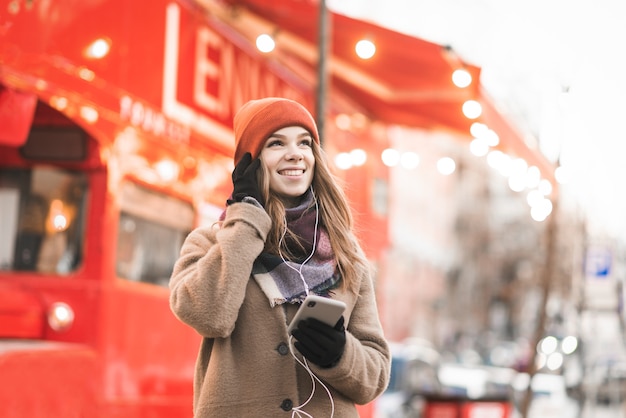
(407, 82)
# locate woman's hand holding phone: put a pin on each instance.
(319, 330)
(320, 343)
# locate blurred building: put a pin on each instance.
(465, 258)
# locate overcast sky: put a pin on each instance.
(557, 64)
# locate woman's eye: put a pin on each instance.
(274, 143)
(306, 142)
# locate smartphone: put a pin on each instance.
(323, 309)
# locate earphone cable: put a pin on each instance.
(304, 363)
(282, 237)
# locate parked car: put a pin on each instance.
(607, 383)
(549, 396)
(414, 368)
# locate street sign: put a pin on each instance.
(598, 262)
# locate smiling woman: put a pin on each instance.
(286, 233)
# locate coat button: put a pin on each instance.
(286, 405)
(283, 349)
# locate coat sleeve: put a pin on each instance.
(209, 279)
(362, 373)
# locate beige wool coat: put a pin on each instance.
(244, 366)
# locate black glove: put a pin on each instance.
(319, 343)
(245, 180)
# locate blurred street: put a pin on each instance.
(600, 411)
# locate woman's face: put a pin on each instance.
(288, 157)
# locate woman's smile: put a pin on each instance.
(291, 172)
(288, 156)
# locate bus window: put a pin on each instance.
(151, 231)
(42, 222)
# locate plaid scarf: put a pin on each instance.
(281, 282)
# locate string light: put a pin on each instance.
(365, 49)
(446, 166)
(472, 109)
(461, 78)
(265, 43)
(98, 49)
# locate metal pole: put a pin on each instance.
(322, 72)
(546, 287)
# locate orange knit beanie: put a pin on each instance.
(258, 119)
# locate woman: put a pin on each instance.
(285, 233)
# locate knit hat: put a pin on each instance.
(258, 119)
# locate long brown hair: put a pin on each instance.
(334, 213)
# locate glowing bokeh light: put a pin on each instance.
(446, 166)
(365, 49)
(461, 78)
(265, 43)
(472, 109)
